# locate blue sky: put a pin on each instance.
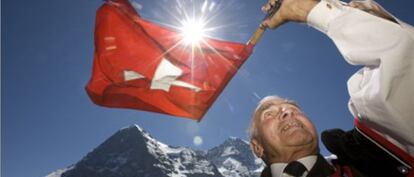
(48, 122)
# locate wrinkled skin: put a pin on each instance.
(285, 133)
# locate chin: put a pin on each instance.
(301, 140)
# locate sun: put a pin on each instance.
(193, 31)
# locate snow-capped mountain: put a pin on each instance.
(132, 152)
(235, 159)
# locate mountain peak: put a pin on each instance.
(234, 158)
(135, 132)
(133, 127)
(232, 138)
(132, 151)
(234, 141)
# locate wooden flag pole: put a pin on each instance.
(261, 29)
(257, 35)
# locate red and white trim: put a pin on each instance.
(406, 159)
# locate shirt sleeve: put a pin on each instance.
(382, 91)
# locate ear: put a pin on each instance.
(257, 148)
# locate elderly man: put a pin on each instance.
(286, 140)
(381, 93)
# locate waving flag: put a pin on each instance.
(145, 66)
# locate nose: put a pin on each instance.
(287, 113)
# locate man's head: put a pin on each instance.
(280, 132)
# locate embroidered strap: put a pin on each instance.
(341, 171)
(387, 146)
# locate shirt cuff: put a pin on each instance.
(323, 13)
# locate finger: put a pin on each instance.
(355, 5)
(273, 22)
(268, 6)
(352, 4)
(264, 24)
(265, 8)
(272, 2)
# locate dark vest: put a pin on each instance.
(354, 148)
(323, 169)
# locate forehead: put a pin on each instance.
(275, 103)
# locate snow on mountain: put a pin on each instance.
(235, 159)
(132, 152)
(59, 172)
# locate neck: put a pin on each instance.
(292, 155)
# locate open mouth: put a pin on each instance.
(291, 125)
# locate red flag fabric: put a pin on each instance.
(141, 65)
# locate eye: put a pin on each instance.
(296, 111)
(269, 114)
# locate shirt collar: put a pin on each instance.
(308, 161)
(277, 169)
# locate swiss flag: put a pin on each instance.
(142, 65)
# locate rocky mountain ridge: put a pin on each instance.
(132, 152)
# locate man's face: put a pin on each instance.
(286, 132)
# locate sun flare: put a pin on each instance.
(193, 31)
(198, 140)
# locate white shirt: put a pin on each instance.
(308, 162)
(382, 92)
